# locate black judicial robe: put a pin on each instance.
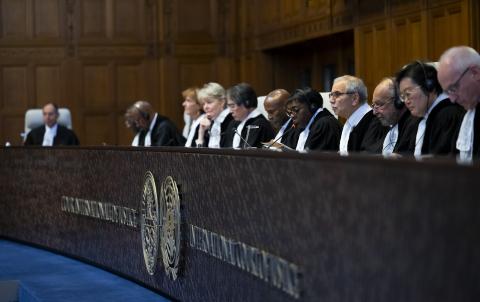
(227, 131)
(476, 133)
(164, 133)
(368, 135)
(407, 133)
(290, 136)
(257, 136)
(325, 133)
(441, 131)
(64, 137)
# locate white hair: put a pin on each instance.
(354, 84)
(458, 58)
(211, 90)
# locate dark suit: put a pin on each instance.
(441, 131)
(325, 132)
(407, 132)
(263, 133)
(164, 133)
(368, 135)
(64, 136)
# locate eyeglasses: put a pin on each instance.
(407, 93)
(293, 111)
(379, 106)
(452, 89)
(336, 94)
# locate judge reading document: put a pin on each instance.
(250, 128)
(151, 128)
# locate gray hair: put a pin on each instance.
(211, 90)
(354, 84)
(460, 57)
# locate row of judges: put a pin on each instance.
(423, 110)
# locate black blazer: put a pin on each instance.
(441, 130)
(164, 133)
(407, 133)
(325, 133)
(256, 137)
(368, 135)
(64, 137)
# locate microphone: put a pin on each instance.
(284, 132)
(246, 143)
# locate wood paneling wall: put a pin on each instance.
(98, 56)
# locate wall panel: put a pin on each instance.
(11, 128)
(408, 42)
(46, 18)
(93, 22)
(48, 85)
(14, 18)
(97, 87)
(128, 18)
(101, 130)
(14, 87)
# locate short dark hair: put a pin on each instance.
(55, 106)
(312, 98)
(423, 74)
(243, 94)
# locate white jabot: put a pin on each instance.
(423, 124)
(465, 137)
(302, 139)
(282, 131)
(216, 130)
(148, 136)
(351, 123)
(49, 135)
(236, 137)
(193, 128)
(390, 141)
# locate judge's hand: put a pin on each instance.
(204, 124)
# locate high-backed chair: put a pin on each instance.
(34, 119)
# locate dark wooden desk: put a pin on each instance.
(349, 229)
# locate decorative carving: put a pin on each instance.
(112, 51)
(170, 232)
(150, 223)
(70, 28)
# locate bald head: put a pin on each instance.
(459, 75)
(139, 115)
(274, 104)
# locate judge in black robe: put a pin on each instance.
(407, 131)
(250, 128)
(305, 107)
(442, 127)
(163, 133)
(65, 137)
(368, 135)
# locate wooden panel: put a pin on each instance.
(100, 130)
(11, 128)
(47, 18)
(407, 40)
(268, 14)
(47, 85)
(124, 136)
(127, 18)
(129, 84)
(93, 18)
(370, 9)
(195, 74)
(14, 87)
(290, 8)
(14, 18)
(448, 26)
(196, 21)
(97, 87)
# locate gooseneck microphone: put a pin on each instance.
(243, 140)
(284, 132)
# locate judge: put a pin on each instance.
(251, 127)
(192, 108)
(215, 128)
(51, 133)
(440, 118)
(459, 75)
(391, 112)
(362, 131)
(151, 128)
(316, 128)
(275, 106)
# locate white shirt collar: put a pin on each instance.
(358, 114)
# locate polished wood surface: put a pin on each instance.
(358, 228)
(98, 56)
